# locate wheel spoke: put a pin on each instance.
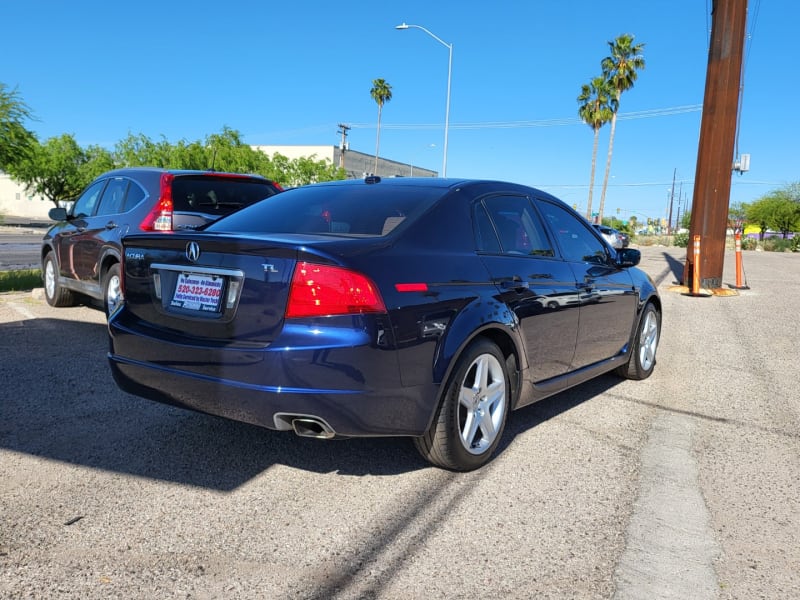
(470, 430)
(487, 427)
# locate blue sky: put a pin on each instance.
(289, 73)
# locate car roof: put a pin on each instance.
(432, 183)
(132, 171)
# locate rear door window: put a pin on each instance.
(517, 226)
(113, 199)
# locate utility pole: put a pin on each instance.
(671, 200)
(712, 182)
(343, 129)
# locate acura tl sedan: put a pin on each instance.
(426, 308)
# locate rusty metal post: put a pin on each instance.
(712, 183)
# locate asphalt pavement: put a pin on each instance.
(685, 485)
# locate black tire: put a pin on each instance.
(473, 412)
(53, 292)
(112, 294)
(642, 359)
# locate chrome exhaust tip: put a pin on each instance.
(313, 428)
(304, 425)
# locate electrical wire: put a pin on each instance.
(642, 114)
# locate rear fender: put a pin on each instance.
(493, 320)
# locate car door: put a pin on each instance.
(97, 229)
(537, 285)
(607, 296)
(68, 237)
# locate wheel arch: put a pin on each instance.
(502, 335)
(111, 257)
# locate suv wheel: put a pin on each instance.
(53, 292)
(111, 290)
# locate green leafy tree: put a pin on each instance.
(777, 211)
(16, 142)
(686, 219)
(139, 151)
(596, 100)
(786, 210)
(737, 216)
(381, 92)
(58, 169)
(621, 69)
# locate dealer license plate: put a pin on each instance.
(195, 291)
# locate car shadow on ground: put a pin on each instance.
(61, 403)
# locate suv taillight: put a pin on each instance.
(160, 217)
(325, 290)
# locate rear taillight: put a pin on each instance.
(160, 217)
(325, 290)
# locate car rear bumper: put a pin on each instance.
(254, 387)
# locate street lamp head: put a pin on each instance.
(401, 26)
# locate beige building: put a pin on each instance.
(356, 164)
(16, 201)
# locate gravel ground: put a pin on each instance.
(615, 488)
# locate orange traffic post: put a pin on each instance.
(696, 266)
(739, 270)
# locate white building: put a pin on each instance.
(356, 164)
(16, 201)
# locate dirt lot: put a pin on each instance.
(686, 485)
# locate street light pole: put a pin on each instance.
(449, 77)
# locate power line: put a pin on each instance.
(643, 114)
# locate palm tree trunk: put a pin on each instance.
(378, 140)
(608, 166)
(591, 180)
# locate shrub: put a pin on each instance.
(777, 244)
(749, 243)
(681, 240)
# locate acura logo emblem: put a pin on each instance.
(193, 251)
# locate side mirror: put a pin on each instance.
(58, 214)
(628, 257)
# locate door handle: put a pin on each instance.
(111, 225)
(515, 283)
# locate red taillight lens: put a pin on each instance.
(324, 290)
(160, 217)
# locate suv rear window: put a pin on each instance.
(217, 195)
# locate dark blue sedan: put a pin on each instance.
(427, 308)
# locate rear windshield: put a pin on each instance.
(349, 210)
(217, 195)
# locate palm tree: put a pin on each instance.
(597, 100)
(621, 70)
(381, 92)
